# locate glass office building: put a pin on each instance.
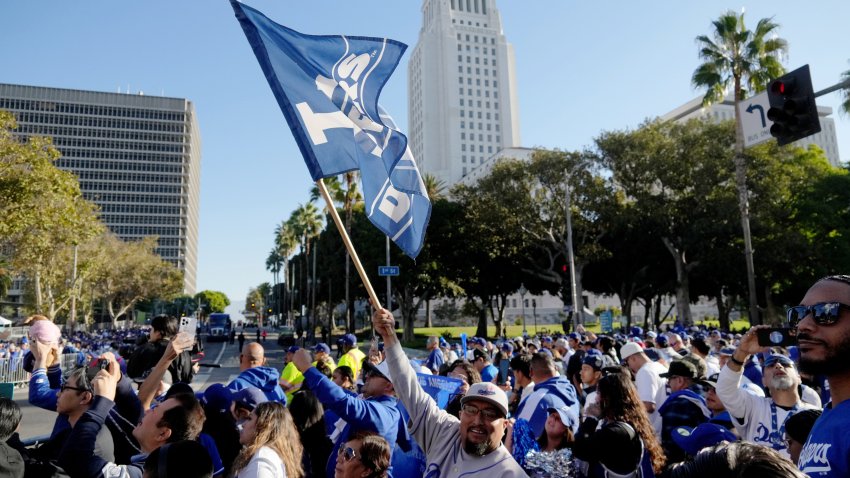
(138, 157)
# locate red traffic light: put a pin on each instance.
(784, 87)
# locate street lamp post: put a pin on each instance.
(571, 254)
(522, 292)
(534, 313)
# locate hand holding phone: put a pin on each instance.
(776, 337)
(189, 325)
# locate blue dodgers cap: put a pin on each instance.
(293, 349)
(661, 340)
(217, 397)
(349, 339)
(774, 358)
(249, 398)
(567, 415)
(692, 440)
(322, 347)
(594, 361)
(636, 331)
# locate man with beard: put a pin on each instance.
(760, 419)
(823, 333)
(470, 446)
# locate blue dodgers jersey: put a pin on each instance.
(826, 452)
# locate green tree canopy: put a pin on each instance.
(216, 301)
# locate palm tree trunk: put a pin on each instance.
(744, 207)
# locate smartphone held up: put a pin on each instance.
(777, 337)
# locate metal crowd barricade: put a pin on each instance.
(12, 371)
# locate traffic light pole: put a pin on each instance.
(835, 87)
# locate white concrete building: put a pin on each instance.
(462, 89)
(826, 139)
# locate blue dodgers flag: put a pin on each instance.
(441, 389)
(328, 88)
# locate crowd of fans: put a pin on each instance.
(680, 403)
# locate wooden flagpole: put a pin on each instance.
(348, 245)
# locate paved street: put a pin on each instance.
(37, 422)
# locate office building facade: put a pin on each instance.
(138, 157)
(462, 87)
(826, 139)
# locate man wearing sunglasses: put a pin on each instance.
(822, 321)
(469, 446)
(761, 420)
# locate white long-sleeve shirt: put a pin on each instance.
(264, 464)
(757, 419)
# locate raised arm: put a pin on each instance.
(428, 423)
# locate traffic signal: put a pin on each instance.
(792, 106)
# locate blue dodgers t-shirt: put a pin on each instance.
(825, 453)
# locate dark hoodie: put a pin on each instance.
(264, 378)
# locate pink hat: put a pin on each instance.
(45, 331)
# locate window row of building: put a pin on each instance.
(122, 155)
(138, 230)
(472, 148)
(142, 220)
(121, 145)
(106, 198)
(44, 119)
(478, 71)
(478, 61)
(93, 175)
(90, 109)
(477, 82)
(80, 164)
(96, 187)
(129, 208)
(481, 137)
(470, 6)
(57, 132)
(481, 126)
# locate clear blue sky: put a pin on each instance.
(582, 67)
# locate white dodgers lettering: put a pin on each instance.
(351, 116)
(394, 204)
(813, 458)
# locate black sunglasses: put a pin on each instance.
(347, 453)
(823, 313)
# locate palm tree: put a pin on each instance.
(348, 197)
(306, 223)
(285, 243)
(434, 187)
(274, 264)
(745, 61)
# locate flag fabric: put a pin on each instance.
(441, 389)
(328, 88)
